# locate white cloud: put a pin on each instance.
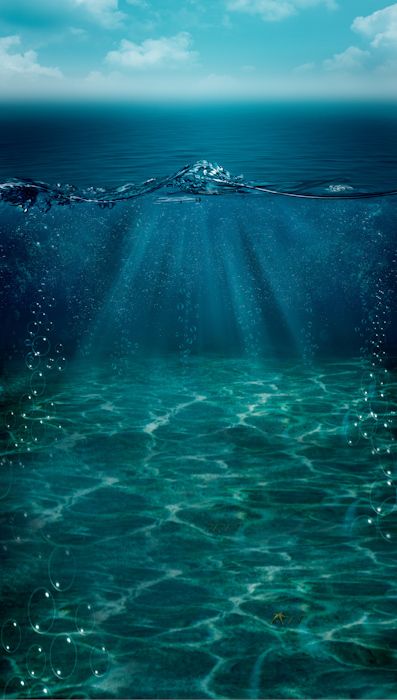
(380, 30)
(14, 64)
(105, 12)
(276, 10)
(380, 27)
(153, 52)
(352, 58)
(77, 31)
(305, 68)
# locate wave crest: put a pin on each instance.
(202, 177)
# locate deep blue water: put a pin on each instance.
(198, 469)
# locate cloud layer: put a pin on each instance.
(169, 51)
(14, 64)
(380, 27)
(275, 10)
(105, 12)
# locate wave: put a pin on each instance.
(201, 178)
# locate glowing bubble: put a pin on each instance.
(50, 363)
(16, 687)
(63, 656)
(41, 317)
(60, 363)
(388, 462)
(85, 618)
(33, 329)
(41, 345)
(10, 420)
(32, 361)
(27, 404)
(368, 424)
(351, 428)
(62, 568)
(38, 430)
(383, 497)
(20, 525)
(41, 690)
(37, 383)
(59, 349)
(99, 660)
(6, 476)
(387, 525)
(36, 661)
(35, 307)
(10, 636)
(41, 610)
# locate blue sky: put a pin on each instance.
(197, 49)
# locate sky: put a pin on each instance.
(197, 49)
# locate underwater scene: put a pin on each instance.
(199, 392)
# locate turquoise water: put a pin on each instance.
(198, 460)
(169, 512)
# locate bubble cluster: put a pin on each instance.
(52, 653)
(372, 418)
(27, 424)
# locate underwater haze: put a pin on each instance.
(199, 394)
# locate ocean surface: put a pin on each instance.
(199, 391)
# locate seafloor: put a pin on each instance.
(220, 528)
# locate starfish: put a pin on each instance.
(279, 617)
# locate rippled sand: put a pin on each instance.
(212, 528)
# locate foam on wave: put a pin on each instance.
(202, 177)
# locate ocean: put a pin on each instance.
(198, 384)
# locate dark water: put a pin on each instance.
(198, 470)
(286, 145)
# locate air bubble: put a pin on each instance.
(63, 656)
(36, 661)
(32, 361)
(85, 618)
(62, 568)
(41, 610)
(351, 428)
(60, 363)
(10, 636)
(10, 420)
(38, 430)
(388, 462)
(33, 329)
(50, 363)
(41, 345)
(383, 497)
(388, 527)
(37, 383)
(99, 660)
(20, 525)
(16, 687)
(41, 690)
